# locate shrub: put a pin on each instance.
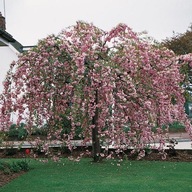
(17, 132)
(13, 132)
(24, 165)
(3, 165)
(2, 136)
(176, 126)
(40, 131)
(173, 127)
(14, 167)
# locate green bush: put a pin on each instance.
(24, 165)
(14, 167)
(173, 127)
(22, 133)
(176, 126)
(13, 132)
(17, 132)
(3, 165)
(65, 125)
(40, 131)
(2, 137)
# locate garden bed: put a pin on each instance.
(6, 178)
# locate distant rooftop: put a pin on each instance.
(2, 22)
(9, 38)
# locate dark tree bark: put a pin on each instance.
(95, 133)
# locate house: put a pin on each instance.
(9, 50)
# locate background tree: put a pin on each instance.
(181, 44)
(114, 86)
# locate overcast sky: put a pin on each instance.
(30, 20)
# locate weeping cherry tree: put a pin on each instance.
(116, 87)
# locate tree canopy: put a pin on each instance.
(181, 45)
(116, 82)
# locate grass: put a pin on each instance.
(108, 176)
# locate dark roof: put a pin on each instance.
(11, 40)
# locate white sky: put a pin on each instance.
(30, 20)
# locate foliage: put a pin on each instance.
(19, 132)
(99, 82)
(64, 123)
(40, 131)
(186, 64)
(173, 127)
(14, 167)
(2, 136)
(176, 127)
(181, 44)
(23, 165)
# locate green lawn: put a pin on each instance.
(85, 176)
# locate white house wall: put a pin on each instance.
(7, 56)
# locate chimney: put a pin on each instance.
(2, 22)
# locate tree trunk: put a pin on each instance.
(95, 135)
